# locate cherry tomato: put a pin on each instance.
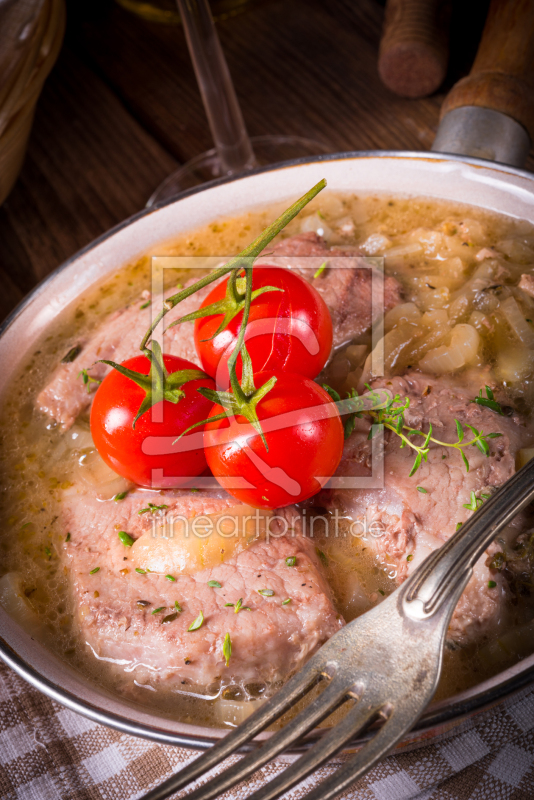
(146, 454)
(304, 434)
(288, 330)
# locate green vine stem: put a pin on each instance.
(251, 251)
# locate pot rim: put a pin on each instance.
(447, 712)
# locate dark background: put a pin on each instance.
(121, 110)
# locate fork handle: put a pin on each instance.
(432, 583)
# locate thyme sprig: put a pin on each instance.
(87, 379)
(392, 417)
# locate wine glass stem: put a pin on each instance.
(218, 94)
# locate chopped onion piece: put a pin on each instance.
(315, 223)
(514, 363)
(404, 312)
(479, 321)
(374, 244)
(517, 322)
(437, 317)
(403, 250)
(517, 250)
(451, 357)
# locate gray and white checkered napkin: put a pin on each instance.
(50, 753)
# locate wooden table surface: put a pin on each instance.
(121, 110)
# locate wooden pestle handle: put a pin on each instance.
(413, 54)
(502, 76)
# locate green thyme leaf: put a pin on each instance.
(459, 525)
(197, 623)
(291, 561)
(171, 578)
(491, 404)
(488, 401)
(228, 605)
(422, 489)
(158, 610)
(177, 606)
(94, 571)
(67, 537)
(416, 464)
(483, 446)
(409, 558)
(238, 605)
(140, 571)
(498, 561)
(286, 601)
(152, 508)
(227, 648)
(87, 379)
(459, 431)
(320, 270)
(169, 618)
(266, 592)
(474, 503)
(464, 459)
(332, 392)
(214, 585)
(125, 538)
(492, 584)
(382, 592)
(349, 426)
(322, 556)
(120, 496)
(73, 353)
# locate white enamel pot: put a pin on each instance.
(482, 183)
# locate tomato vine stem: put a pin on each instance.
(251, 251)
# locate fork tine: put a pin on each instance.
(332, 697)
(356, 721)
(379, 746)
(273, 708)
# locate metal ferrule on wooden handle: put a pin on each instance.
(490, 113)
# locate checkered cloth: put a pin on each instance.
(50, 753)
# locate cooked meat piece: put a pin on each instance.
(527, 284)
(347, 293)
(411, 523)
(117, 339)
(346, 288)
(114, 606)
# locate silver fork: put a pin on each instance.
(388, 661)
